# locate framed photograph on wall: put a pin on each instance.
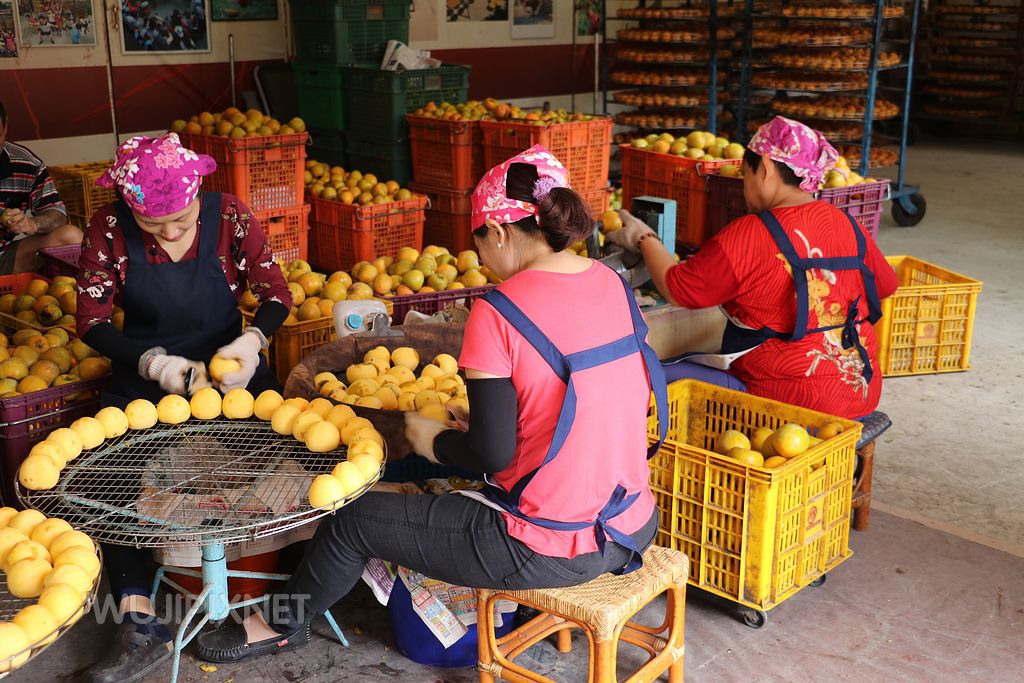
(8, 39)
(56, 23)
(533, 19)
(243, 10)
(477, 10)
(164, 26)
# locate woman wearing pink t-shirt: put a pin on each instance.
(559, 377)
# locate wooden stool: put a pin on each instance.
(875, 425)
(602, 608)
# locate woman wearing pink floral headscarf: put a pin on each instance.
(177, 260)
(799, 280)
(568, 498)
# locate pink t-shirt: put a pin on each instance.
(607, 444)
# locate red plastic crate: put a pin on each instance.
(62, 260)
(287, 232)
(582, 146)
(446, 154)
(432, 302)
(444, 200)
(725, 202)
(451, 230)
(669, 176)
(264, 172)
(597, 200)
(864, 202)
(447, 221)
(293, 342)
(344, 234)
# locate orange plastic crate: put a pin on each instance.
(446, 154)
(76, 185)
(293, 342)
(447, 222)
(344, 234)
(584, 147)
(597, 200)
(650, 174)
(287, 232)
(264, 172)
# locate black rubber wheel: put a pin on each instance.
(755, 618)
(820, 581)
(909, 220)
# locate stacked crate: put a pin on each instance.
(331, 35)
(76, 185)
(447, 163)
(267, 174)
(582, 146)
(378, 133)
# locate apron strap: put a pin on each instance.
(209, 223)
(655, 373)
(799, 273)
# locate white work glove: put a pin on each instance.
(632, 230)
(172, 372)
(246, 350)
(421, 432)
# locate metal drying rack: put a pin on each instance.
(203, 482)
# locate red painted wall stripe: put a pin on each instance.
(519, 72)
(56, 103)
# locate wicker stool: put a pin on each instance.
(602, 608)
(875, 425)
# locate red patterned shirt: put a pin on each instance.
(743, 270)
(245, 258)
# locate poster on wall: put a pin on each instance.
(164, 26)
(243, 10)
(56, 23)
(588, 17)
(477, 10)
(8, 41)
(533, 19)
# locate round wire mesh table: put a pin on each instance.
(11, 605)
(206, 483)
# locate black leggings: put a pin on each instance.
(448, 537)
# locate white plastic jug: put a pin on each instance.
(351, 317)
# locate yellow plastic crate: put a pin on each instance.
(753, 535)
(926, 326)
(76, 185)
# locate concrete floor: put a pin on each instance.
(935, 589)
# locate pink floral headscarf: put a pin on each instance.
(798, 146)
(490, 198)
(157, 176)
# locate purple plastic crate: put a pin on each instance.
(61, 260)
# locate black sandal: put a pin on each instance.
(227, 644)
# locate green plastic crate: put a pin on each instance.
(340, 32)
(321, 95)
(387, 159)
(385, 97)
(328, 146)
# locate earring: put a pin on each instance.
(499, 245)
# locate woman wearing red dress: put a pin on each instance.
(807, 340)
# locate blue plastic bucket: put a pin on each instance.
(415, 641)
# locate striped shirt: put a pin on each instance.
(25, 184)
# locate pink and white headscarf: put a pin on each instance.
(491, 200)
(798, 146)
(157, 176)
